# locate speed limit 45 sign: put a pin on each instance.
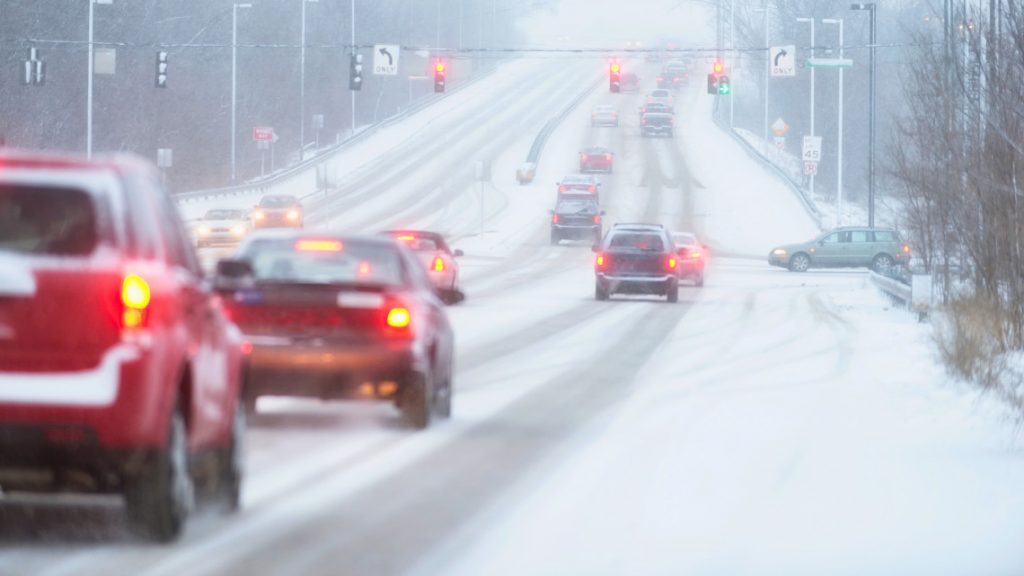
(812, 149)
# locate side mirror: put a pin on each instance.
(458, 253)
(233, 274)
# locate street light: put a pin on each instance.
(88, 89)
(234, 83)
(870, 7)
(839, 145)
(767, 68)
(811, 20)
(302, 85)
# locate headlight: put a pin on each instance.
(238, 230)
(258, 215)
(779, 252)
(204, 231)
(293, 215)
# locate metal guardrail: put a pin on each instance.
(801, 194)
(915, 297)
(264, 184)
(526, 172)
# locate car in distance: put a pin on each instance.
(636, 259)
(657, 107)
(597, 159)
(576, 217)
(221, 226)
(604, 115)
(278, 211)
(880, 249)
(120, 374)
(660, 96)
(438, 259)
(340, 317)
(657, 124)
(692, 257)
(580, 183)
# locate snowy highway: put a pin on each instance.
(768, 423)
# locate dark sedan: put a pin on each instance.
(340, 317)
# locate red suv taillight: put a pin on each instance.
(135, 299)
(601, 262)
(671, 263)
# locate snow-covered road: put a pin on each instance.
(769, 423)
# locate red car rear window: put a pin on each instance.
(50, 221)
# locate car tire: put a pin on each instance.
(555, 239)
(601, 293)
(800, 262)
(443, 399)
(159, 499)
(233, 464)
(883, 263)
(417, 405)
(672, 292)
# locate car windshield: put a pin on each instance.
(324, 261)
(47, 221)
(641, 241)
(576, 206)
(278, 201)
(224, 215)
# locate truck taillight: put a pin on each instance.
(135, 299)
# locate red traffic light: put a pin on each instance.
(439, 67)
(615, 68)
(719, 68)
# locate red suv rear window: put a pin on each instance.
(50, 221)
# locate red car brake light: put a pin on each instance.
(592, 189)
(318, 246)
(597, 218)
(601, 261)
(438, 264)
(135, 298)
(399, 317)
(671, 263)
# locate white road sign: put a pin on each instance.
(783, 60)
(812, 149)
(780, 128)
(385, 59)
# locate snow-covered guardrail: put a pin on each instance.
(527, 170)
(805, 200)
(916, 296)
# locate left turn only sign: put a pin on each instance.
(385, 59)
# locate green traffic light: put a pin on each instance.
(723, 89)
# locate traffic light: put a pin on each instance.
(439, 72)
(614, 75)
(724, 87)
(355, 72)
(161, 69)
(712, 84)
(718, 68)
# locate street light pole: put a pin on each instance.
(234, 85)
(871, 8)
(353, 36)
(839, 145)
(811, 20)
(302, 85)
(767, 68)
(733, 59)
(88, 82)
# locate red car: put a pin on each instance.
(340, 317)
(597, 159)
(437, 258)
(692, 257)
(119, 373)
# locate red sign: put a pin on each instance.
(263, 134)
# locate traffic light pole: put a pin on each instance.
(811, 20)
(872, 10)
(352, 92)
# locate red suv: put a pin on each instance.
(119, 372)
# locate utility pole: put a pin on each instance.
(353, 36)
(839, 143)
(733, 60)
(811, 20)
(234, 86)
(872, 12)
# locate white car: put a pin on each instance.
(221, 226)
